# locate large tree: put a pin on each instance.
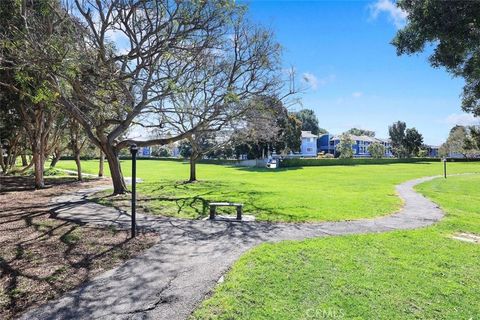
(452, 28)
(289, 135)
(268, 127)
(12, 132)
(475, 137)
(397, 138)
(344, 148)
(455, 143)
(461, 140)
(26, 26)
(258, 136)
(107, 85)
(406, 142)
(239, 76)
(309, 121)
(413, 141)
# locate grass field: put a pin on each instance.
(420, 274)
(291, 194)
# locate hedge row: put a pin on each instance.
(123, 158)
(209, 161)
(356, 161)
(305, 162)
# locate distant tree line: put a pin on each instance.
(462, 141)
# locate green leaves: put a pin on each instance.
(231, 97)
(453, 29)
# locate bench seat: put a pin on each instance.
(214, 205)
(226, 204)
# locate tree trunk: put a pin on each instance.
(193, 169)
(38, 166)
(79, 166)
(24, 160)
(2, 162)
(119, 186)
(100, 164)
(56, 158)
(13, 160)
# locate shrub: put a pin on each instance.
(376, 150)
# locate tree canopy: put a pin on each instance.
(269, 128)
(376, 150)
(309, 121)
(461, 141)
(413, 141)
(345, 146)
(361, 132)
(453, 29)
(180, 67)
(406, 142)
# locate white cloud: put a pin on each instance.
(357, 94)
(462, 119)
(313, 82)
(396, 15)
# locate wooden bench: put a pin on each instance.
(214, 205)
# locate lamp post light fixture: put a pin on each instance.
(133, 151)
(444, 160)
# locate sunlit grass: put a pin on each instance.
(420, 274)
(290, 194)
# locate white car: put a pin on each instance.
(272, 164)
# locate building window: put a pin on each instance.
(309, 149)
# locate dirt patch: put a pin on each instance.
(41, 257)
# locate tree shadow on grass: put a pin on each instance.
(185, 200)
(25, 183)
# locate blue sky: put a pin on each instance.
(355, 77)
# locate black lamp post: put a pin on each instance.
(444, 160)
(133, 151)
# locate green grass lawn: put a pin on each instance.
(420, 274)
(290, 194)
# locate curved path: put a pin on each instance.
(170, 279)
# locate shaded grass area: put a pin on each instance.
(26, 181)
(289, 194)
(41, 257)
(419, 274)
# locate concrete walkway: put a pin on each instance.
(170, 279)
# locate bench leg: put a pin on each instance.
(212, 212)
(239, 213)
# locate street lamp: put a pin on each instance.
(133, 151)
